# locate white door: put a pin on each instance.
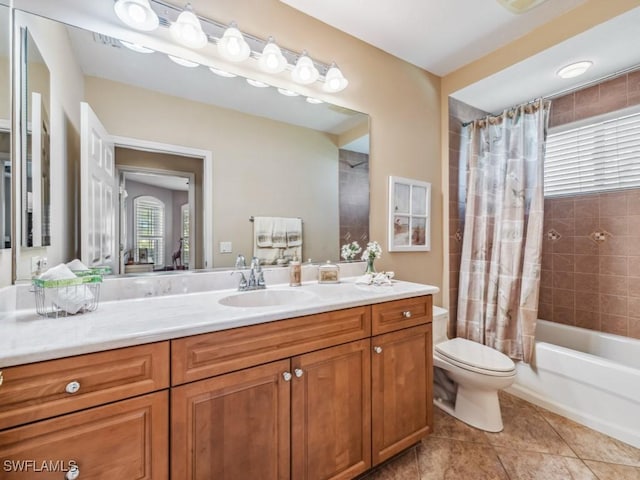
(98, 193)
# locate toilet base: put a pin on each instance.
(478, 408)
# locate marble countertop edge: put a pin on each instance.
(28, 338)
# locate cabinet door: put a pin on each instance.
(127, 439)
(401, 397)
(331, 412)
(235, 426)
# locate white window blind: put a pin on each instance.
(600, 156)
(149, 229)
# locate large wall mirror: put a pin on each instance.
(35, 148)
(5, 128)
(212, 152)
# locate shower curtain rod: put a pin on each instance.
(591, 83)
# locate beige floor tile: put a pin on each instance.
(511, 401)
(446, 426)
(526, 429)
(592, 445)
(446, 459)
(542, 466)
(609, 471)
(404, 467)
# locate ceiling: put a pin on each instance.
(433, 35)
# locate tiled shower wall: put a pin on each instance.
(354, 197)
(459, 113)
(591, 250)
(591, 262)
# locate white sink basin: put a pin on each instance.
(266, 298)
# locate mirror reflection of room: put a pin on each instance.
(5, 131)
(260, 153)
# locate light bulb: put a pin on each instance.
(187, 29)
(137, 14)
(232, 46)
(305, 72)
(334, 81)
(272, 60)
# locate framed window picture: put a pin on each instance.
(409, 215)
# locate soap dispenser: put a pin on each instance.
(295, 273)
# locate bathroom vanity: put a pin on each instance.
(323, 385)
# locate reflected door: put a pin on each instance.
(98, 187)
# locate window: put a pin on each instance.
(148, 218)
(184, 214)
(601, 155)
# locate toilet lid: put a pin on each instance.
(473, 354)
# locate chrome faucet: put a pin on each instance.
(256, 275)
(240, 262)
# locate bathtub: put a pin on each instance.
(587, 376)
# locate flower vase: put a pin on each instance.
(370, 268)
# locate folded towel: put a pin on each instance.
(279, 235)
(294, 232)
(263, 228)
(77, 266)
(70, 299)
(377, 279)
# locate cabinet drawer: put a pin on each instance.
(127, 439)
(45, 389)
(202, 356)
(409, 312)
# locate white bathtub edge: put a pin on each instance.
(612, 430)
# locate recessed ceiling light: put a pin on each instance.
(574, 69)
(520, 6)
(314, 101)
(256, 83)
(183, 62)
(136, 47)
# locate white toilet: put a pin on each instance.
(467, 377)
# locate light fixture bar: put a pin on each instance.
(214, 30)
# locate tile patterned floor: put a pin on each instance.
(534, 445)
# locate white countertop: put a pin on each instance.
(26, 337)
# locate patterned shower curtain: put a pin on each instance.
(502, 244)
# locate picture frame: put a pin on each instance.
(143, 255)
(409, 225)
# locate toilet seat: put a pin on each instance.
(475, 357)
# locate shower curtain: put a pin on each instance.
(502, 244)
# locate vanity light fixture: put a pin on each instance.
(137, 14)
(222, 73)
(305, 72)
(272, 60)
(334, 81)
(187, 29)
(257, 83)
(194, 31)
(574, 69)
(183, 62)
(136, 47)
(232, 46)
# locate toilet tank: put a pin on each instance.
(440, 324)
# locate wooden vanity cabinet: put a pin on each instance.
(104, 413)
(402, 369)
(303, 417)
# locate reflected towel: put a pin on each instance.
(279, 235)
(294, 232)
(263, 231)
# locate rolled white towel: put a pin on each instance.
(77, 266)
